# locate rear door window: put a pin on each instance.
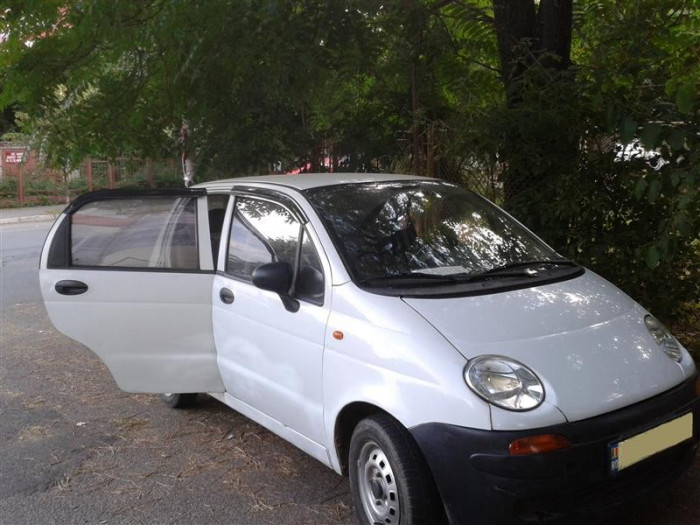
(148, 232)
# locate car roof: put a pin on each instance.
(304, 181)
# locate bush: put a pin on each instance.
(8, 188)
(638, 242)
(632, 217)
(167, 178)
(77, 186)
(163, 177)
(635, 225)
(38, 183)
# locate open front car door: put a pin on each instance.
(129, 275)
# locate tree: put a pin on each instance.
(534, 43)
(260, 83)
(112, 77)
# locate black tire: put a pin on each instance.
(179, 400)
(390, 481)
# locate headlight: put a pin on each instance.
(504, 382)
(663, 338)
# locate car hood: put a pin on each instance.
(583, 337)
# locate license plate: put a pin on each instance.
(634, 449)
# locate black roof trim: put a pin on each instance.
(101, 195)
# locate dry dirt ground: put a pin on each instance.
(75, 449)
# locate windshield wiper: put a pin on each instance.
(416, 277)
(520, 264)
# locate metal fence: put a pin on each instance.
(25, 181)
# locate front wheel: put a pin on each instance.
(390, 481)
(179, 400)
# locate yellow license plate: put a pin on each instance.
(634, 449)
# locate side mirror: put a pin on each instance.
(310, 283)
(277, 277)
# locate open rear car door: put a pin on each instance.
(129, 275)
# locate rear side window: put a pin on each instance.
(148, 232)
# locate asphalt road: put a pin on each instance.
(75, 449)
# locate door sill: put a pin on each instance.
(312, 448)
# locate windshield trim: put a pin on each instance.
(438, 289)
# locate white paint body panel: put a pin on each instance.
(153, 331)
(271, 358)
(391, 358)
(584, 338)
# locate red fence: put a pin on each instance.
(24, 181)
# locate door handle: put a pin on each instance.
(226, 295)
(71, 287)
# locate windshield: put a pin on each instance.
(432, 230)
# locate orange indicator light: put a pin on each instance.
(338, 335)
(538, 444)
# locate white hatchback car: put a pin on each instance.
(401, 330)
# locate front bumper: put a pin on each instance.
(480, 482)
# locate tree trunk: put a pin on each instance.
(416, 132)
(528, 36)
(515, 29)
(534, 44)
(554, 28)
(414, 27)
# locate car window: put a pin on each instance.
(386, 230)
(310, 282)
(216, 205)
(263, 232)
(144, 232)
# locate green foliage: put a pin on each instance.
(162, 177)
(42, 186)
(259, 83)
(607, 155)
(13, 136)
(8, 187)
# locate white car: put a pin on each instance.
(401, 330)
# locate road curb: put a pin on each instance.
(30, 218)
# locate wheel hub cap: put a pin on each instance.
(377, 484)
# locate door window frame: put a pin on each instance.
(60, 252)
(287, 203)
